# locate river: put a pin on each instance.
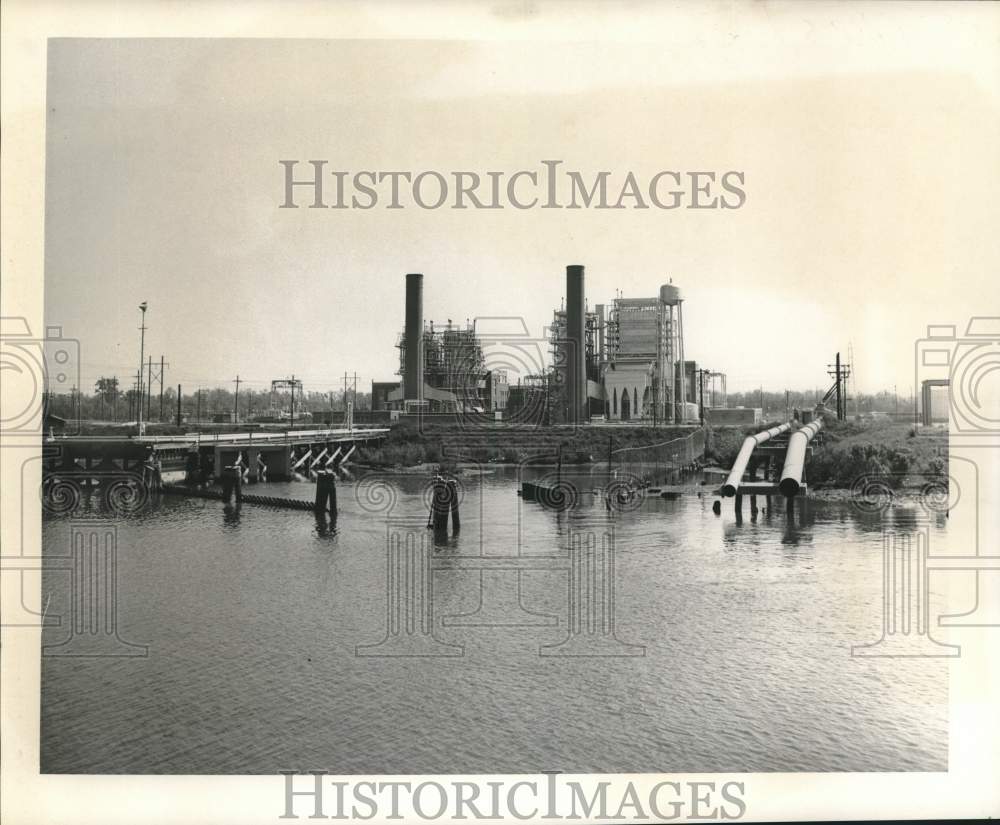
(731, 643)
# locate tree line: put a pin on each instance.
(108, 402)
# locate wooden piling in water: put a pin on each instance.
(453, 497)
(232, 483)
(440, 504)
(326, 493)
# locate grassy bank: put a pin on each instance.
(883, 449)
(408, 444)
(849, 450)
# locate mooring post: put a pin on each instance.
(320, 504)
(230, 474)
(753, 508)
(440, 503)
(717, 507)
(790, 507)
(453, 497)
(326, 493)
(738, 507)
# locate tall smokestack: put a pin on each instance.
(576, 363)
(413, 368)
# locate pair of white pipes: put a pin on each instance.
(795, 457)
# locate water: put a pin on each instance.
(252, 623)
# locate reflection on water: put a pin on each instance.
(667, 638)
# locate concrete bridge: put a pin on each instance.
(276, 455)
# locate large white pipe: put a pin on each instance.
(795, 458)
(740, 465)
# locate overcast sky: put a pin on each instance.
(869, 155)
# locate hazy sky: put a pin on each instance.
(869, 155)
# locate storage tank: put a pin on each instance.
(669, 294)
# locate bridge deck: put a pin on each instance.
(248, 439)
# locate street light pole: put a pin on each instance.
(142, 355)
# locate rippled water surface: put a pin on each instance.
(252, 623)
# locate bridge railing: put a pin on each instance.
(287, 436)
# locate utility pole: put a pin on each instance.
(895, 399)
(197, 416)
(162, 363)
(178, 405)
(701, 395)
(236, 402)
(142, 352)
(149, 387)
(136, 406)
(250, 408)
(840, 412)
(839, 373)
(292, 382)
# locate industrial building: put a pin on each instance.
(633, 363)
(621, 362)
(445, 371)
(645, 343)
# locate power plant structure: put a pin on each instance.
(442, 369)
(622, 361)
(633, 364)
(643, 363)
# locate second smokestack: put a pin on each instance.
(413, 367)
(576, 355)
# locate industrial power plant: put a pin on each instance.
(623, 361)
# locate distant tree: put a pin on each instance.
(107, 389)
